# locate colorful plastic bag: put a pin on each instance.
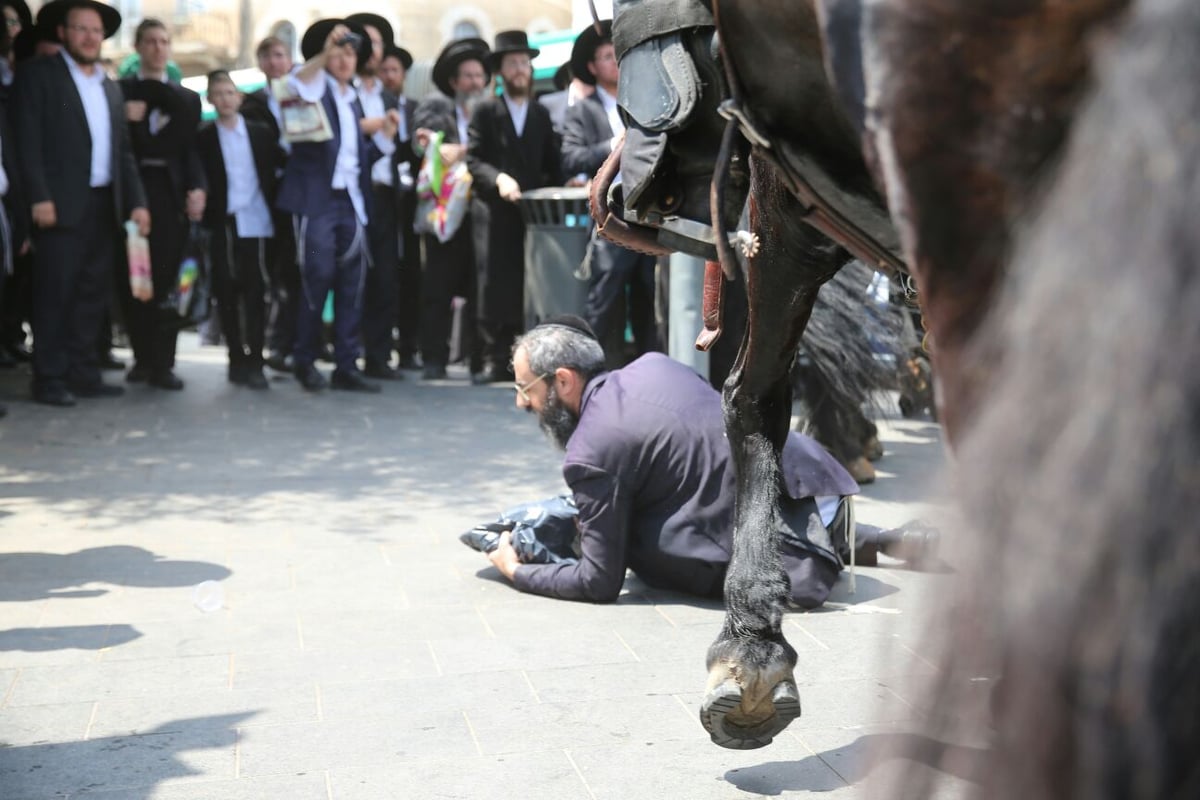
(443, 193)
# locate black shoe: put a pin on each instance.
(98, 389)
(280, 362)
(409, 361)
(53, 396)
(326, 354)
(492, 376)
(310, 378)
(382, 371)
(353, 381)
(433, 372)
(256, 380)
(165, 379)
(110, 362)
(137, 374)
(238, 374)
(6, 359)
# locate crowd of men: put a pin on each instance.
(290, 217)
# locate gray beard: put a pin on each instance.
(470, 100)
(556, 420)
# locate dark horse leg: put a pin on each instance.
(751, 694)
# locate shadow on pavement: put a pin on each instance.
(856, 761)
(130, 765)
(36, 576)
(77, 637)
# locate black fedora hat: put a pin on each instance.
(584, 49)
(394, 51)
(378, 23)
(511, 42)
(23, 12)
(453, 54)
(54, 14)
(313, 41)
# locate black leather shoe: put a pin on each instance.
(433, 372)
(110, 362)
(256, 380)
(280, 363)
(353, 381)
(99, 389)
(54, 396)
(165, 379)
(137, 374)
(382, 371)
(310, 378)
(410, 362)
(492, 376)
(6, 359)
(237, 374)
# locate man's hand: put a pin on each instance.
(196, 200)
(504, 557)
(452, 153)
(422, 136)
(391, 123)
(508, 187)
(141, 218)
(135, 110)
(336, 35)
(44, 214)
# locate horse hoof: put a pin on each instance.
(720, 711)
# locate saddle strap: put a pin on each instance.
(713, 309)
(638, 21)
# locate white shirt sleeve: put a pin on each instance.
(312, 92)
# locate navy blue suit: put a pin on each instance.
(331, 242)
(652, 474)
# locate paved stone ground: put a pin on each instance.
(360, 651)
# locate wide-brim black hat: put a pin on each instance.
(394, 51)
(511, 42)
(584, 50)
(25, 45)
(313, 41)
(23, 12)
(378, 23)
(453, 54)
(54, 14)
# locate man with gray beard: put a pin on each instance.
(650, 470)
(462, 75)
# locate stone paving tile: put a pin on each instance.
(593, 682)
(518, 619)
(385, 698)
(536, 776)
(580, 724)
(698, 770)
(105, 679)
(564, 649)
(30, 725)
(328, 631)
(120, 762)
(69, 644)
(162, 712)
(325, 745)
(213, 634)
(308, 786)
(264, 670)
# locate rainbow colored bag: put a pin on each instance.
(443, 193)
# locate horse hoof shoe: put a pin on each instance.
(722, 701)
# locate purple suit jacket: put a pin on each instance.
(652, 475)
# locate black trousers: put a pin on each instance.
(285, 286)
(618, 275)
(408, 284)
(449, 272)
(381, 303)
(153, 329)
(72, 280)
(240, 282)
(17, 306)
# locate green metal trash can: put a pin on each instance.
(557, 228)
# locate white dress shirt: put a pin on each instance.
(345, 170)
(464, 125)
(518, 112)
(245, 201)
(3, 174)
(372, 105)
(99, 120)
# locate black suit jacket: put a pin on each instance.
(55, 144)
(531, 158)
(256, 107)
(586, 137)
(268, 156)
(175, 143)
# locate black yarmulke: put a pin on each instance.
(570, 321)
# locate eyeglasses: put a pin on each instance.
(523, 388)
(12, 22)
(86, 29)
